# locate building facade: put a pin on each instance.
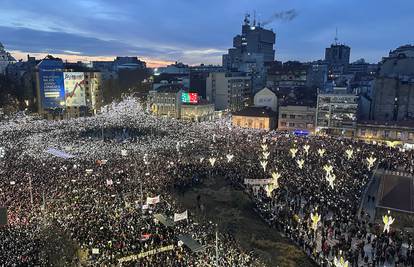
(166, 101)
(296, 118)
(229, 91)
(393, 97)
(266, 98)
(336, 113)
(5, 59)
(198, 112)
(255, 118)
(337, 58)
(398, 133)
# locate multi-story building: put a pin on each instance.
(296, 118)
(251, 50)
(166, 101)
(67, 90)
(337, 58)
(393, 133)
(255, 117)
(393, 98)
(336, 113)
(288, 74)
(228, 90)
(198, 78)
(202, 111)
(176, 68)
(317, 75)
(5, 59)
(266, 98)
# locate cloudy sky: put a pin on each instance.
(199, 31)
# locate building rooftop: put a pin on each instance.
(256, 112)
(170, 88)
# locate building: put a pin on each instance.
(67, 90)
(317, 75)
(176, 68)
(288, 74)
(166, 101)
(337, 58)
(393, 133)
(202, 111)
(5, 59)
(266, 98)
(255, 117)
(251, 50)
(198, 78)
(297, 118)
(110, 69)
(336, 113)
(230, 91)
(362, 67)
(393, 98)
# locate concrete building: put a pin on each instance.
(230, 91)
(176, 68)
(337, 58)
(296, 118)
(166, 101)
(317, 75)
(393, 98)
(255, 118)
(287, 74)
(251, 50)
(5, 59)
(67, 90)
(110, 69)
(336, 113)
(398, 133)
(201, 111)
(198, 78)
(266, 98)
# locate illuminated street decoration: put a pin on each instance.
(229, 157)
(212, 161)
(328, 169)
(340, 262)
(315, 220)
(293, 152)
(269, 189)
(300, 163)
(387, 220)
(264, 147)
(264, 164)
(275, 179)
(306, 148)
(349, 153)
(321, 152)
(371, 161)
(266, 155)
(201, 160)
(2, 152)
(330, 177)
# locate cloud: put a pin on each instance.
(285, 16)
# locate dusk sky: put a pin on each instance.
(199, 31)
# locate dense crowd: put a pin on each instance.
(122, 156)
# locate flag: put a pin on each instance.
(109, 182)
(145, 237)
(180, 216)
(153, 200)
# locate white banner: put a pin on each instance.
(180, 216)
(153, 200)
(257, 181)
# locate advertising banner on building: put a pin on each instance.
(51, 88)
(75, 89)
(191, 98)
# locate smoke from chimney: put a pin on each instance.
(284, 16)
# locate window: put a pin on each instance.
(283, 123)
(292, 116)
(386, 133)
(284, 116)
(399, 135)
(291, 124)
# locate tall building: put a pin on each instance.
(5, 59)
(393, 94)
(251, 50)
(198, 78)
(296, 118)
(336, 113)
(228, 90)
(337, 57)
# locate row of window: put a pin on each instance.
(301, 117)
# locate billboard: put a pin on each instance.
(74, 89)
(51, 88)
(191, 98)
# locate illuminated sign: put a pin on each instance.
(191, 98)
(75, 89)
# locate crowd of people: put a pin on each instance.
(96, 192)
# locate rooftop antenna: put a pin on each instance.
(246, 19)
(254, 18)
(336, 36)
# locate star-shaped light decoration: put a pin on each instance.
(266, 154)
(212, 161)
(349, 152)
(315, 220)
(201, 160)
(293, 152)
(371, 161)
(300, 163)
(306, 148)
(340, 262)
(269, 189)
(330, 177)
(328, 169)
(264, 147)
(275, 179)
(264, 164)
(321, 152)
(229, 157)
(387, 220)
